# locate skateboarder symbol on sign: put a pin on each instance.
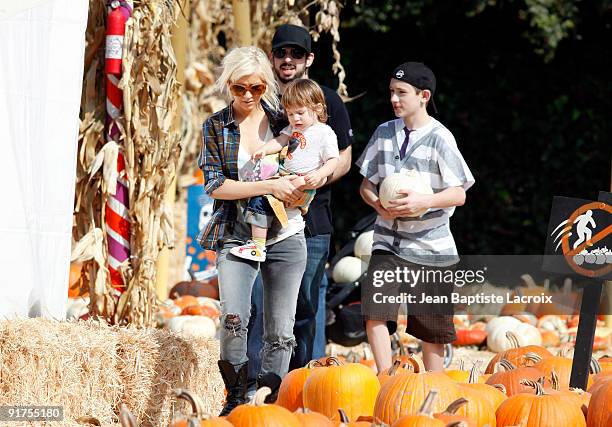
(584, 233)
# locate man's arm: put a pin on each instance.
(344, 165)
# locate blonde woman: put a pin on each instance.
(230, 137)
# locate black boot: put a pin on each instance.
(269, 379)
(235, 379)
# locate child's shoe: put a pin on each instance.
(250, 250)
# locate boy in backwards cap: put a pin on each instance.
(413, 141)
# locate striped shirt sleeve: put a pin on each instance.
(369, 159)
(210, 161)
(453, 168)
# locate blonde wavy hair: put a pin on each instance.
(244, 61)
(305, 93)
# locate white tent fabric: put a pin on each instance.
(42, 46)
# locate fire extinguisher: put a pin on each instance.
(115, 30)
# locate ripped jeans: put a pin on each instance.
(281, 275)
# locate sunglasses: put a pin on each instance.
(295, 52)
(256, 90)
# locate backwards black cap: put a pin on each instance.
(292, 35)
(418, 75)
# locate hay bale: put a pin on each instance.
(89, 368)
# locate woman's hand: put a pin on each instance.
(258, 154)
(285, 189)
(410, 204)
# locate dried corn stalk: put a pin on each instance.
(150, 99)
(151, 146)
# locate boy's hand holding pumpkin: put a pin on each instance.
(412, 202)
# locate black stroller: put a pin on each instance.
(344, 323)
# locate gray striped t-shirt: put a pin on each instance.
(433, 153)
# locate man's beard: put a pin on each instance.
(297, 75)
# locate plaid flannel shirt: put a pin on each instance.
(218, 161)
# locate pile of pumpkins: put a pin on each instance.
(549, 330)
(193, 309)
(526, 386)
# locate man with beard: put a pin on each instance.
(291, 58)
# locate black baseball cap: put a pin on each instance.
(418, 75)
(292, 35)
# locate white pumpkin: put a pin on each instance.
(408, 180)
(496, 333)
(193, 326)
(348, 269)
(363, 244)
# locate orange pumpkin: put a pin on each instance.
(539, 409)
(310, 418)
(460, 375)
(494, 394)
(424, 417)
(259, 414)
(350, 386)
(76, 284)
(470, 336)
(359, 422)
(198, 417)
(450, 414)
(510, 376)
(291, 389)
(516, 354)
(580, 397)
(599, 407)
(404, 394)
(201, 310)
(185, 301)
(562, 366)
(395, 369)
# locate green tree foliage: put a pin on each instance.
(526, 94)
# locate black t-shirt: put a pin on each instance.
(319, 218)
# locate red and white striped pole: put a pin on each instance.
(116, 209)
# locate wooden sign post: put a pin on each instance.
(579, 243)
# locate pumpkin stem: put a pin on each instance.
(455, 405)
(260, 396)
(427, 406)
(393, 369)
(400, 344)
(314, 364)
(419, 362)
(594, 366)
(506, 364)
(333, 361)
(197, 406)
(473, 378)
(554, 380)
(539, 390)
(533, 357)
(512, 339)
(343, 417)
(529, 281)
(501, 388)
